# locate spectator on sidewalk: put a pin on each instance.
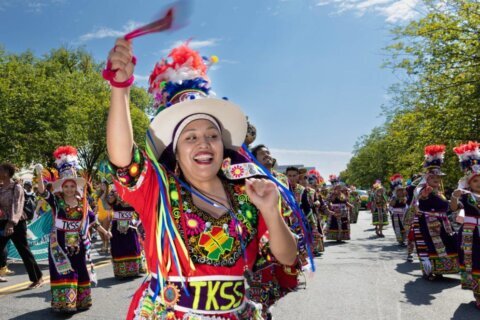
(13, 224)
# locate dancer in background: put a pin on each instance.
(411, 217)
(354, 199)
(319, 208)
(398, 207)
(379, 209)
(104, 212)
(434, 237)
(125, 245)
(70, 276)
(467, 197)
(338, 225)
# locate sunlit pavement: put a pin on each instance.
(365, 278)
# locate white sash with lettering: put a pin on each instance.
(68, 225)
(123, 215)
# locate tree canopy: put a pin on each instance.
(58, 99)
(438, 100)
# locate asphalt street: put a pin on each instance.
(365, 278)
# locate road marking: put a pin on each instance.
(23, 285)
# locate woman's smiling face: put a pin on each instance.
(200, 150)
(69, 188)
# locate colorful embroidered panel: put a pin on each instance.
(212, 241)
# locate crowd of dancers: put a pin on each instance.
(444, 233)
(205, 213)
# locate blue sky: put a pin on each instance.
(307, 72)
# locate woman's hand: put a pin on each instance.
(263, 194)
(426, 191)
(120, 60)
(457, 193)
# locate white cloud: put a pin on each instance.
(400, 11)
(393, 10)
(323, 3)
(34, 6)
(194, 44)
(326, 162)
(105, 32)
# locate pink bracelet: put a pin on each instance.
(125, 84)
(109, 74)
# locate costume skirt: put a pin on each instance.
(436, 243)
(70, 290)
(354, 213)
(126, 252)
(338, 227)
(397, 215)
(380, 217)
(469, 256)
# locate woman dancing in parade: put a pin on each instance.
(379, 209)
(410, 215)
(434, 237)
(204, 217)
(104, 212)
(398, 207)
(319, 207)
(125, 245)
(467, 197)
(68, 256)
(354, 199)
(338, 225)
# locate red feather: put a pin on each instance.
(396, 177)
(178, 56)
(315, 173)
(434, 149)
(471, 146)
(64, 150)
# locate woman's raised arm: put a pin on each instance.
(119, 124)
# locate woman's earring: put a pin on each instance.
(177, 170)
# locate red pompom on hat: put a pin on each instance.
(66, 161)
(434, 159)
(66, 151)
(469, 157)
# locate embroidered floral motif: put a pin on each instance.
(236, 171)
(215, 241)
(193, 224)
(129, 176)
(238, 230)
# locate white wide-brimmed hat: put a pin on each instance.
(232, 121)
(181, 88)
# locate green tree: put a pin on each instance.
(58, 99)
(438, 101)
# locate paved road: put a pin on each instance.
(366, 278)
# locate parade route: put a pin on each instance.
(368, 278)
(365, 278)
